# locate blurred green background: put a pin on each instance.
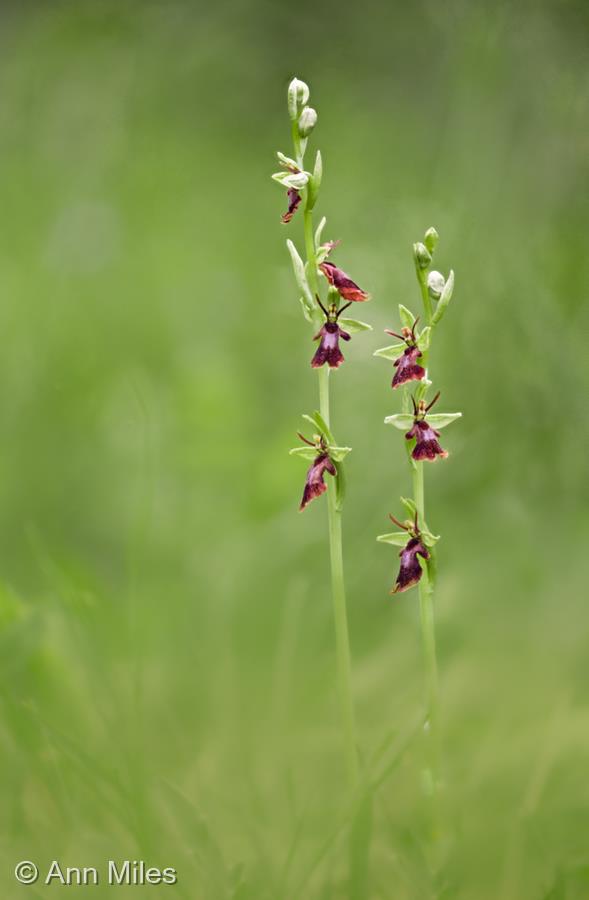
(166, 642)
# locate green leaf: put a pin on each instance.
(402, 421)
(392, 352)
(444, 299)
(424, 338)
(406, 316)
(354, 325)
(315, 181)
(440, 420)
(300, 277)
(339, 453)
(305, 452)
(319, 231)
(398, 538)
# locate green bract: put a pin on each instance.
(409, 505)
(315, 181)
(424, 338)
(406, 316)
(445, 298)
(319, 231)
(430, 239)
(319, 422)
(301, 279)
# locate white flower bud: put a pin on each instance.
(435, 284)
(298, 94)
(307, 121)
(422, 255)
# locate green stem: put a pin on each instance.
(428, 634)
(342, 640)
(426, 607)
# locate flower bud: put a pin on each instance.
(430, 239)
(307, 121)
(298, 94)
(421, 255)
(435, 284)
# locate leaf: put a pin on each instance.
(319, 231)
(444, 299)
(319, 422)
(392, 352)
(339, 453)
(354, 325)
(305, 452)
(402, 421)
(424, 338)
(315, 181)
(398, 538)
(300, 276)
(406, 316)
(440, 420)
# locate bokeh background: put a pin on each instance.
(166, 649)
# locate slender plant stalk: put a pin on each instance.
(338, 589)
(422, 429)
(426, 600)
(297, 90)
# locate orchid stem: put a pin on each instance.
(426, 614)
(428, 636)
(342, 641)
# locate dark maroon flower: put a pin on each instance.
(348, 289)
(294, 199)
(329, 336)
(314, 484)
(408, 369)
(426, 437)
(410, 571)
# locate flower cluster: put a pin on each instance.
(422, 428)
(330, 327)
